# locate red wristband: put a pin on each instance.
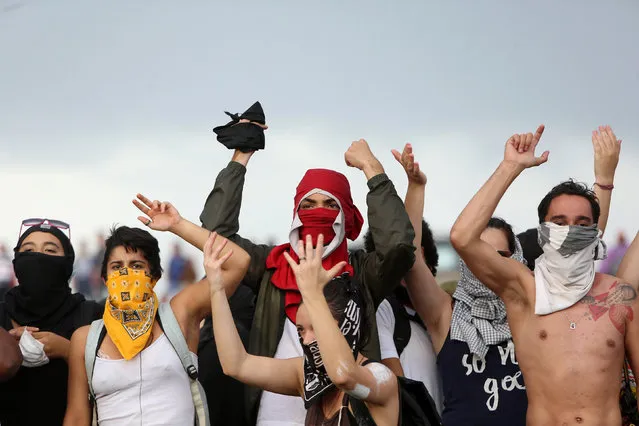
(606, 187)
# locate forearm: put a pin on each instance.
(388, 219)
(337, 356)
(10, 356)
(197, 237)
(604, 196)
(414, 204)
(473, 219)
(191, 233)
(221, 211)
(230, 349)
(372, 169)
(429, 300)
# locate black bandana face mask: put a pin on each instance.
(43, 281)
(43, 293)
(316, 380)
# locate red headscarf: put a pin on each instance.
(347, 222)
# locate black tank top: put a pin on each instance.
(481, 392)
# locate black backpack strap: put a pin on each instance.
(402, 332)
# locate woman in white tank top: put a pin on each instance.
(138, 378)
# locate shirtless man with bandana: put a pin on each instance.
(571, 326)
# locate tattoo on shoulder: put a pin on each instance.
(616, 302)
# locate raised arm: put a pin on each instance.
(374, 383)
(163, 216)
(221, 214)
(431, 302)
(78, 406)
(282, 376)
(192, 304)
(498, 273)
(606, 149)
(10, 356)
(390, 226)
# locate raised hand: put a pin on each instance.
(606, 148)
(309, 273)
(520, 149)
(407, 160)
(213, 262)
(160, 216)
(359, 154)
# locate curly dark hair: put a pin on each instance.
(134, 239)
(431, 256)
(338, 292)
(569, 187)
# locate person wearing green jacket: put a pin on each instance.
(323, 204)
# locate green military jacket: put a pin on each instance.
(379, 271)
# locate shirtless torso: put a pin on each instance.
(572, 359)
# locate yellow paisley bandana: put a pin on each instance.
(130, 310)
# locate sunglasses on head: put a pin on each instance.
(504, 253)
(44, 224)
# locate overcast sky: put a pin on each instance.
(100, 100)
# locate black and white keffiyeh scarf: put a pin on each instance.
(479, 315)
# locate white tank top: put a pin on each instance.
(150, 389)
(283, 410)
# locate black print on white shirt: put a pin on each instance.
(492, 386)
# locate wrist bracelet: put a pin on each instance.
(606, 187)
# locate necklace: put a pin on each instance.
(573, 324)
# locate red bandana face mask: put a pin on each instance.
(317, 221)
(313, 222)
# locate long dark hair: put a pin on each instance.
(338, 292)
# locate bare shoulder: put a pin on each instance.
(80, 334)
(611, 285)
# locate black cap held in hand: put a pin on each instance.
(246, 137)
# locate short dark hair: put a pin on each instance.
(569, 187)
(431, 256)
(134, 239)
(338, 292)
(502, 225)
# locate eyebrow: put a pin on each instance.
(51, 243)
(557, 217)
(132, 261)
(584, 218)
(309, 200)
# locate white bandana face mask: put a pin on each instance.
(564, 274)
(32, 351)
